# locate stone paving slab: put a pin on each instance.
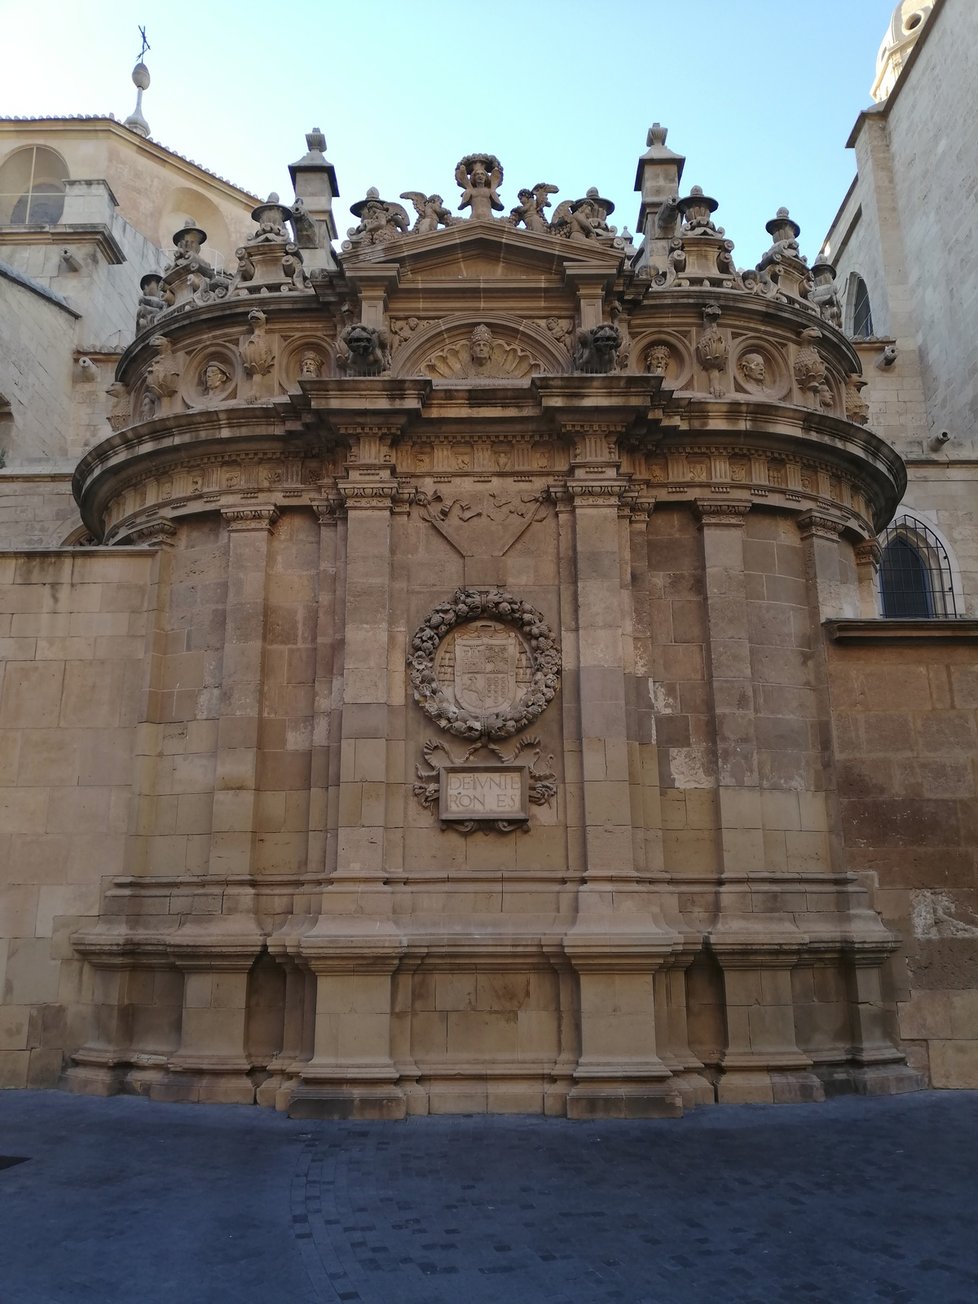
(846, 1202)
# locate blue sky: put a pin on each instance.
(760, 95)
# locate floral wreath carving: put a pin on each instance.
(473, 604)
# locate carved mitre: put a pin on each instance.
(482, 356)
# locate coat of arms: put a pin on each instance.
(484, 664)
(485, 667)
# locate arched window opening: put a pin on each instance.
(32, 187)
(915, 573)
(861, 313)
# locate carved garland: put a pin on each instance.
(535, 634)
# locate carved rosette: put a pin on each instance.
(485, 664)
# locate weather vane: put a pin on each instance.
(146, 44)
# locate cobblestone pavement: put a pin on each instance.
(842, 1203)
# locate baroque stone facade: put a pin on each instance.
(453, 705)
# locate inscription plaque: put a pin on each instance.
(477, 792)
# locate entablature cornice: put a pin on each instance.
(67, 233)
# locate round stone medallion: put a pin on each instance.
(485, 664)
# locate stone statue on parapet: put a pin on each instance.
(585, 219)
(823, 294)
(151, 301)
(431, 212)
(480, 176)
(380, 221)
(530, 209)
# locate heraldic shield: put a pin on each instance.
(486, 659)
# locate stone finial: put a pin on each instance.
(314, 182)
(782, 228)
(657, 135)
(657, 178)
(696, 209)
(140, 79)
(271, 218)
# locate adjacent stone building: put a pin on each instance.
(901, 246)
(456, 681)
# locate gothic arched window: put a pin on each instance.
(859, 309)
(32, 187)
(915, 573)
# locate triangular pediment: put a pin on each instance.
(485, 251)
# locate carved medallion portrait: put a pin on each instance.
(484, 665)
(759, 371)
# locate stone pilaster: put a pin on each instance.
(590, 280)
(647, 803)
(163, 535)
(761, 1061)
(375, 281)
(619, 1072)
(298, 1021)
(368, 493)
(352, 1073)
(619, 939)
(741, 849)
(756, 950)
(238, 734)
(212, 1063)
(325, 769)
(868, 556)
(595, 491)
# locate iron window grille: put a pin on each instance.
(915, 573)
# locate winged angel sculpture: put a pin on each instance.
(530, 209)
(480, 176)
(431, 212)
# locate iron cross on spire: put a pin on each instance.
(146, 44)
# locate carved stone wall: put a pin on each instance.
(483, 754)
